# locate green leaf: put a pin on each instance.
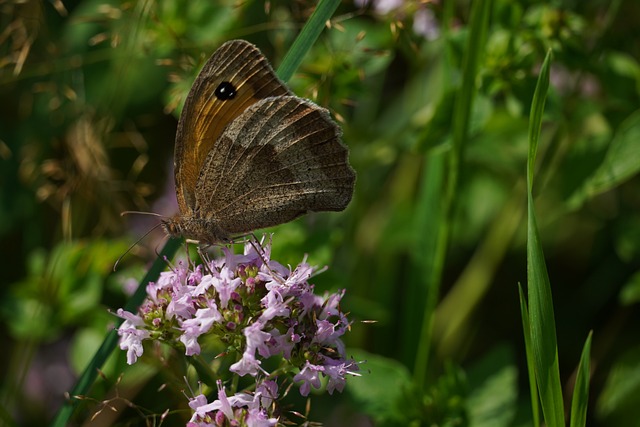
(580, 399)
(541, 316)
(382, 391)
(618, 403)
(620, 162)
(63, 288)
(623, 65)
(630, 293)
(494, 381)
(531, 368)
(627, 236)
(543, 326)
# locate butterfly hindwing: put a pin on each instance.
(281, 158)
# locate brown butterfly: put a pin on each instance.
(249, 154)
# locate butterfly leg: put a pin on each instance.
(257, 246)
(204, 256)
(192, 265)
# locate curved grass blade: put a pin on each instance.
(535, 118)
(541, 316)
(531, 369)
(307, 37)
(580, 398)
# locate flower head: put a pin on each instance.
(257, 309)
(239, 409)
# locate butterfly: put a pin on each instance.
(249, 154)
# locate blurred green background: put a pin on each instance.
(91, 91)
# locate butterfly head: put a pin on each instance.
(172, 226)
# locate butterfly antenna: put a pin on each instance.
(115, 266)
(140, 213)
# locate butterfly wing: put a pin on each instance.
(235, 77)
(281, 158)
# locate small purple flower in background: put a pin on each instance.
(257, 308)
(425, 22)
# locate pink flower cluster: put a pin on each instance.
(241, 409)
(256, 306)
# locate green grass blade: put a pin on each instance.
(109, 344)
(542, 320)
(580, 398)
(543, 326)
(474, 51)
(430, 227)
(535, 119)
(480, 12)
(526, 329)
(307, 37)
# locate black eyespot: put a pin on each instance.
(225, 90)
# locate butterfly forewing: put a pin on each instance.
(239, 67)
(279, 159)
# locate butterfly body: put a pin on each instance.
(202, 230)
(249, 154)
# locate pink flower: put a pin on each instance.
(255, 338)
(226, 285)
(331, 306)
(282, 343)
(310, 376)
(337, 370)
(131, 336)
(198, 325)
(255, 303)
(203, 285)
(266, 393)
(204, 411)
(274, 306)
(259, 418)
